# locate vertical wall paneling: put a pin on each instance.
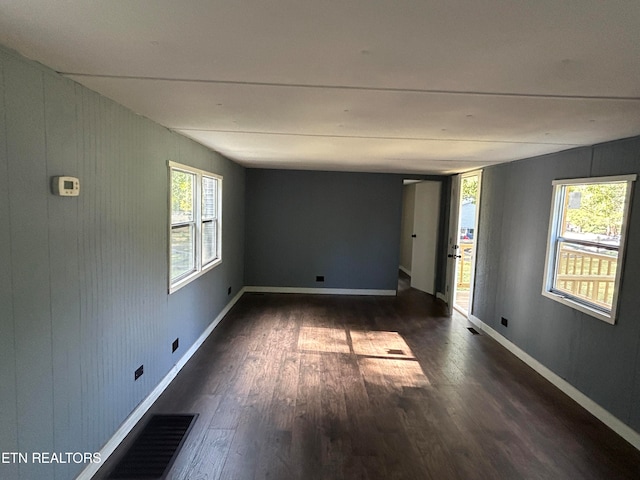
(62, 159)
(83, 280)
(599, 359)
(123, 259)
(616, 158)
(88, 260)
(188, 316)
(488, 256)
(26, 153)
(8, 406)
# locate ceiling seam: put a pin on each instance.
(370, 137)
(358, 88)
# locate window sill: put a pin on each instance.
(187, 280)
(610, 319)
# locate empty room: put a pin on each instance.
(319, 240)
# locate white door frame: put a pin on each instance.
(454, 229)
(452, 242)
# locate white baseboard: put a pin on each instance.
(592, 407)
(405, 270)
(142, 408)
(320, 291)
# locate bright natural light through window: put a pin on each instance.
(586, 243)
(195, 229)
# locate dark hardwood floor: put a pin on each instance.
(348, 387)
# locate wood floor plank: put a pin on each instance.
(275, 460)
(209, 456)
(361, 418)
(303, 387)
(205, 406)
(243, 454)
(228, 413)
(336, 439)
(285, 393)
(306, 434)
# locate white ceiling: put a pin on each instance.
(363, 85)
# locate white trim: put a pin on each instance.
(476, 225)
(110, 446)
(581, 307)
(320, 291)
(405, 270)
(615, 178)
(441, 296)
(554, 233)
(189, 168)
(452, 240)
(549, 258)
(592, 407)
(199, 269)
(197, 274)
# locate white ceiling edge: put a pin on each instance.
(361, 155)
(404, 87)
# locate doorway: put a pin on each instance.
(464, 249)
(419, 237)
(425, 236)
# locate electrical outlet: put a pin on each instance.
(138, 373)
(319, 278)
(175, 344)
(504, 322)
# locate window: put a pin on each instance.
(195, 229)
(586, 243)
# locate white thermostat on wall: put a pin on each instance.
(65, 186)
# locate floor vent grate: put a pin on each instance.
(473, 330)
(156, 447)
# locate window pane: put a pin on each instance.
(586, 273)
(182, 251)
(593, 212)
(209, 236)
(209, 197)
(182, 194)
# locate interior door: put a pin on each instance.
(425, 236)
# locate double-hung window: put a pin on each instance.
(585, 248)
(195, 223)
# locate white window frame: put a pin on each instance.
(200, 267)
(557, 207)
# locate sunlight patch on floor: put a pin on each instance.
(380, 344)
(323, 339)
(384, 357)
(393, 374)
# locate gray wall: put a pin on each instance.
(83, 281)
(601, 360)
(345, 226)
